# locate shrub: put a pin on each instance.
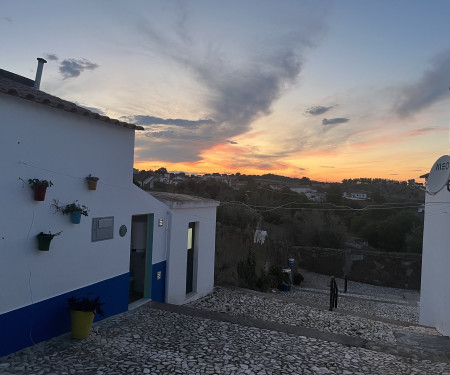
(265, 282)
(246, 269)
(298, 279)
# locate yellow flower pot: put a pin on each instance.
(81, 323)
(92, 185)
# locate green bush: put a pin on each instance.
(246, 269)
(298, 279)
(265, 282)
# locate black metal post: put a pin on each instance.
(333, 293)
(345, 283)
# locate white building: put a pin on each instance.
(435, 291)
(303, 189)
(355, 196)
(196, 279)
(122, 250)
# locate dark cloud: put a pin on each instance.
(302, 169)
(235, 93)
(239, 97)
(70, 68)
(431, 88)
(334, 121)
(232, 142)
(317, 110)
(167, 146)
(429, 129)
(170, 134)
(150, 120)
(51, 57)
(7, 19)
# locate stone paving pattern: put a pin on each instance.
(250, 333)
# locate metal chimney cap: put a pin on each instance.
(40, 59)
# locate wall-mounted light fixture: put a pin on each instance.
(160, 222)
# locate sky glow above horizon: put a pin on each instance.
(323, 89)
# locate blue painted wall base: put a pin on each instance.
(159, 281)
(50, 318)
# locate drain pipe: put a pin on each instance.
(37, 81)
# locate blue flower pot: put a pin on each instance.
(75, 217)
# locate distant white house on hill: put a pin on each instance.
(310, 193)
(355, 196)
(132, 245)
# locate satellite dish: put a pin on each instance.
(439, 175)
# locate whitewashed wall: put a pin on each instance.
(203, 256)
(435, 291)
(37, 141)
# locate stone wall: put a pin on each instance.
(397, 270)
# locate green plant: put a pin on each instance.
(92, 178)
(49, 234)
(265, 282)
(86, 304)
(68, 209)
(33, 182)
(277, 274)
(246, 269)
(298, 279)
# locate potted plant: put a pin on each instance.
(82, 313)
(74, 209)
(44, 240)
(92, 182)
(39, 187)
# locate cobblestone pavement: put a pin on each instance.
(242, 303)
(164, 339)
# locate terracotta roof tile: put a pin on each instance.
(19, 90)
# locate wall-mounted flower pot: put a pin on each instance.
(92, 185)
(81, 322)
(39, 187)
(75, 217)
(92, 182)
(44, 241)
(39, 192)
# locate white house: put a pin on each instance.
(435, 293)
(303, 189)
(187, 282)
(121, 251)
(355, 196)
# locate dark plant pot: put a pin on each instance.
(81, 323)
(92, 185)
(284, 287)
(44, 241)
(39, 192)
(75, 217)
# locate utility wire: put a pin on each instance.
(288, 206)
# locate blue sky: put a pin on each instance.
(323, 89)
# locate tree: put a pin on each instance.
(334, 194)
(161, 171)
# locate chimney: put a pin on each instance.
(37, 81)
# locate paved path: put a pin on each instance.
(267, 338)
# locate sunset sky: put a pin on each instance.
(323, 89)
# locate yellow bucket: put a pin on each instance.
(81, 323)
